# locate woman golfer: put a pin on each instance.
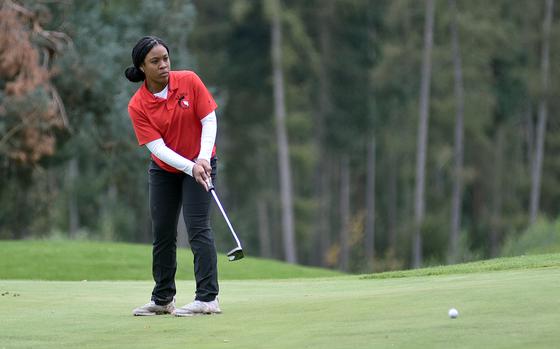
(173, 115)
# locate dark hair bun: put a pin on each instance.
(134, 74)
(139, 52)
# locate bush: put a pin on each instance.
(541, 237)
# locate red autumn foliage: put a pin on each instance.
(28, 123)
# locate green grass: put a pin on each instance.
(503, 303)
(541, 237)
(87, 260)
(498, 264)
(505, 309)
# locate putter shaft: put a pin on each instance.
(225, 216)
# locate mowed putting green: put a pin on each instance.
(511, 309)
(515, 308)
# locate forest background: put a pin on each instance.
(362, 135)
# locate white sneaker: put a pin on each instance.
(151, 308)
(199, 308)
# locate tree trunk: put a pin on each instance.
(321, 226)
(111, 197)
(422, 135)
(282, 137)
(536, 174)
(321, 230)
(344, 213)
(457, 198)
(262, 207)
(370, 204)
(392, 203)
(326, 207)
(530, 136)
(264, 229)
(496, 220)
(73, 211)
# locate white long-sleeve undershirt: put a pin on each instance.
(208, 136)
(170, 157)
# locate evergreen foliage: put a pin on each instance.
(352, 72)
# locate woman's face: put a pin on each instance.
(156, 67)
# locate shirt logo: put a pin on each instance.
(183, 103)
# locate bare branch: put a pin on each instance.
(10, 134)
(60, 106)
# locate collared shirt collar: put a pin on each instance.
(172, 86)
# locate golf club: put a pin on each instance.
(236, 253)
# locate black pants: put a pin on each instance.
(167, 192)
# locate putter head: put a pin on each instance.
(235, 254)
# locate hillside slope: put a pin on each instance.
(87, 260)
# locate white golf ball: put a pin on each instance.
(453, 313)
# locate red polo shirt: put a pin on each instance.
(176, 119)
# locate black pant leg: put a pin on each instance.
(165, 205)
(196, 211)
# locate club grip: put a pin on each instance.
(210, 185)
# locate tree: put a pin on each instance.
(32, 115)
(457, 196)
(370, 203)
(536, 170)
(321, 230)
(31, 106)
(285, 173)
(344, 234)
(419, 199)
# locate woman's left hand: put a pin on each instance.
(201, 172)
(206, 165)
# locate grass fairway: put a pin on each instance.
(498, 309)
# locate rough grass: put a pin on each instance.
(87, 260)
(498, 264)
(541, 237)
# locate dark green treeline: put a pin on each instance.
(352, 78)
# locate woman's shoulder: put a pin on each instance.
(186, 79)
(183, 74)
(136, 99)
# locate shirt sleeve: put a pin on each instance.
(162, 152)
(208, 137)
(143, 128)
(204, 102)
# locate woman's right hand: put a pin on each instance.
(199, 174)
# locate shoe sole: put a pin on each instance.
(195, 314)
(150, 314)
